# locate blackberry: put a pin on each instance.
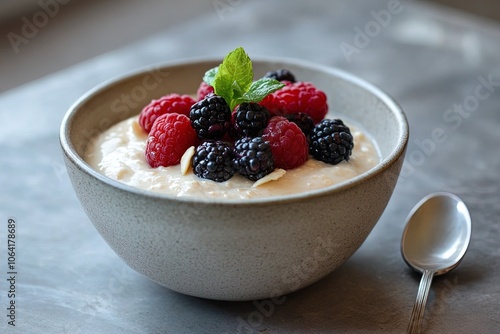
(331, 141)
(210, 117)
(250, 119)
(253, 158)
(303, 120)
(280, 75)
(214, 160)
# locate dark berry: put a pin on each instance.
(303, 120)
(253, 158)
(214, 160)
(331, 141)
(210, 117)
(250, 119)
(281, 75)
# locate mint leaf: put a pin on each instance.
(259, 89)
(234, 76)
(223, 84)
(210, 75)
(233, 80)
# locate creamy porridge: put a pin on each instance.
(118, 153)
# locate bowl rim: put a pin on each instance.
(70, 151)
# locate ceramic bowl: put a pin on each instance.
(234, 249)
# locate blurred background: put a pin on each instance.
(40, 37)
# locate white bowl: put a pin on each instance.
(234, 249)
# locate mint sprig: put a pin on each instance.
(233, 80)
(210, 75)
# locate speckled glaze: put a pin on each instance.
(234, 250)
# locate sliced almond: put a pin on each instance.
(275, 175)
(137, 129)
(186, 160)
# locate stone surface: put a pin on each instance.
(436, 63)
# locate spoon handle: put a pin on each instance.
(417, 313)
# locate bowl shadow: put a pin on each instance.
(354, 298)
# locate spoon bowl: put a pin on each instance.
(435, 239)
(437, 233)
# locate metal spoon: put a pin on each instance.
(435, 239)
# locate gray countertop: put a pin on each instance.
(443, 67)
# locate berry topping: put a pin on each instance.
(281, 75)
(172, 103)
(250, 119)
(303, 120)
(214, 160)
(170, 136)
(203, 90)
(297, 97)
(211, 117)
(253, 158)
(277, 121)
(331, 141)
(288, 143)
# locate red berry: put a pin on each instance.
(170, 136)
(172, 103)
(297, 97)
(288, 143)
(203, 90)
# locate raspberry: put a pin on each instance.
(250, 119)
(172, 103)
(281, 75)
(214, 160)
(288, 143)
(297, 97)
(303, 120)
(170, 136)
(253, 158)
(331, 141)
(211, 117)
(203, 90)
